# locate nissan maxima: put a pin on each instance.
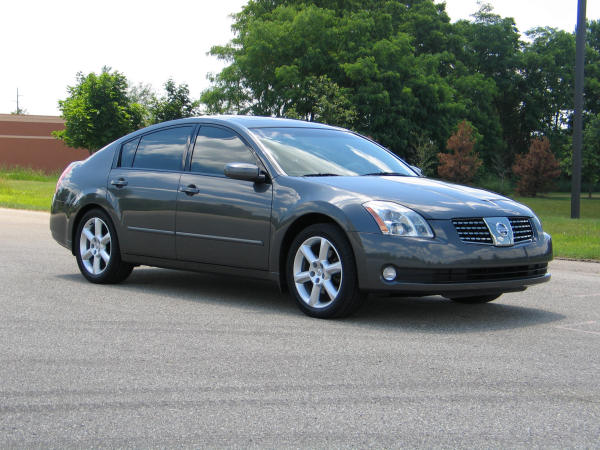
(324, 212)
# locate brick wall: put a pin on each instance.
(25, 141)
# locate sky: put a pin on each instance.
(45, 43)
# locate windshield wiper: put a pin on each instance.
(385, 174)
(321, 175)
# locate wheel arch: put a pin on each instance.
(77, 219)
(292, 231)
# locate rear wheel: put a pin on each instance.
(321, 272)
(475, 299)
(97, 249)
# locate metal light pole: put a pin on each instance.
(578, 122)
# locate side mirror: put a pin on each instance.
(245, 171)
(418, 170)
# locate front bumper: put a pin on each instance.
(446, 265)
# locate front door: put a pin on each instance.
(220, 220)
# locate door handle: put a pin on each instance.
(119, 183)
(190, 190)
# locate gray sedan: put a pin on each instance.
(324, 212)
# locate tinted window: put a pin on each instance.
(127, 153)
(215, 147)
(163, 149)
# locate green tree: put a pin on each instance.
(377, 67)
(98, 110)
(426, 155)
(491, 50)
(548, 72)
(143, 94)
(590, 157)
(176, 104)
(592, 68)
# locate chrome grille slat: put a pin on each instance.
(522, 229)
(474, 230)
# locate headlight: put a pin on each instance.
(397, 220)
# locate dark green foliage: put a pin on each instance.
(98, 110)
(176, 104)
(374, 66)
(400, 72)
(591, 153)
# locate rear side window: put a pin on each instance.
(128, 152)
(163, 149)
(215, 147)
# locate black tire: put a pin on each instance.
(475, 299)
(92, 249)
(338, 294)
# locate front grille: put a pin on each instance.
(522, 229)
(479, 274)
(473, 230)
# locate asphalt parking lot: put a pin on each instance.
(182, 359)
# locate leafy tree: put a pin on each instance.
(98, 110)
(176, 104)
(592, 68)
(590, 156)
(143, 94)
(369, 65)
(548, 72)
(536, 169)
(491, 51)
(462, 164)
(426, 155)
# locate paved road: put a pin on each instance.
(181, 359)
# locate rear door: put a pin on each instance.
(220, 220)
(144, 189)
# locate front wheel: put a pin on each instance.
(321, 272)
(97, 249)
(475, 299)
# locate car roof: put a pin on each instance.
(237, 122)
(250, 121)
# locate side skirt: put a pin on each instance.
(201, 267)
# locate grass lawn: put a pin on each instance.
(578, 239)
(572, 238)
(26, 189)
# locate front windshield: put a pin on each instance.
(321, 152)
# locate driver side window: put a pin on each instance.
(215, 147)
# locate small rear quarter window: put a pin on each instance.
(128, 152)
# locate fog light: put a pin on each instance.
(389, 273)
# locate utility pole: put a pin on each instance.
(18, 111)
(578, 119)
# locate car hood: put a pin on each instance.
(433, 199)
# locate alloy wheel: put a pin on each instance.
(95, 246)
(317, 272)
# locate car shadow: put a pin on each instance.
(432, 314)
(436, 314)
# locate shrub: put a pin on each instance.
(462, 163)
(536, 169)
